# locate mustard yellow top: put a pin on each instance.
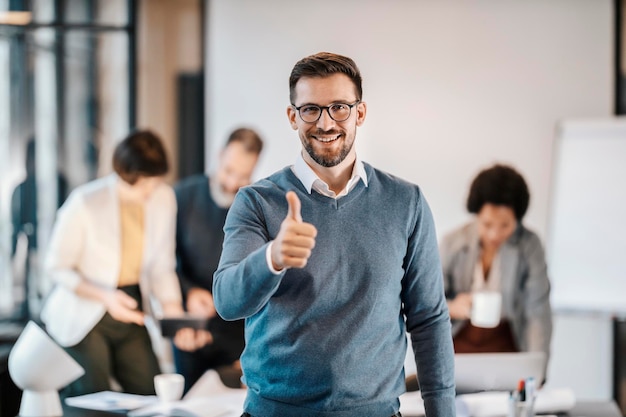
(132, 236)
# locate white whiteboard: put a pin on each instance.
(586, 242)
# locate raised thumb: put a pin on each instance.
(294, 207)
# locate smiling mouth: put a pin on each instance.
(326, 139)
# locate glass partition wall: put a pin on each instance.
(66, 97)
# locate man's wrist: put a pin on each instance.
(268, 258)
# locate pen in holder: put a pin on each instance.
(522, 400)
(521, 409)
(512, 404)
(531, 394)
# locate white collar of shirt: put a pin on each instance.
(490, 282)
(311, 181)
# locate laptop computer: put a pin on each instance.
(496, 371)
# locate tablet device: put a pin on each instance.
(170, 325)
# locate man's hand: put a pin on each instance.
(461, 306)
(200, 303)
(190, 339)
(292, 247)
(122, 307)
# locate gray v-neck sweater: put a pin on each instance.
(329, 339)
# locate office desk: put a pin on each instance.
(584, 409)
(595, 409)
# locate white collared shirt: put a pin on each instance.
(311, 181)
(490, 282)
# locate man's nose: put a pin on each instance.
(325, 122)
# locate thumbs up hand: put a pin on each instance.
(295, 240)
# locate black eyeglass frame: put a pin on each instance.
(327, 108)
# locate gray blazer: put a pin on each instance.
(525, 285)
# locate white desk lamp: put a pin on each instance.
(40, 368)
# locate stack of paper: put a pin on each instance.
(208, 397)
(199, 407)
(111, 401)
(490, 404)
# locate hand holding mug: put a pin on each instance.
(460, 307)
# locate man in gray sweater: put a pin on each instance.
(331, 261)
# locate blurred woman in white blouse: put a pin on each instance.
(112, 249)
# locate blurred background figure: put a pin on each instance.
(24, 221)
(496, 252)
(24, 199)
(111, 250)
(203, 202)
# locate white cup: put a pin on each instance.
(169, 387)
(486, 308)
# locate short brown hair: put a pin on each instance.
(250, 140)
(140, 154)
(325, 64)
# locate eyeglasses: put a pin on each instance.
(339, 112)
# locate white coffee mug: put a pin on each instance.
(486, 308)
(169, 387)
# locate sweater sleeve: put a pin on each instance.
(427, 316)
(243, 282)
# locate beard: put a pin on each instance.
(222, 197)
(330, 159)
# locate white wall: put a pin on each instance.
(582, 352)
(451, 86)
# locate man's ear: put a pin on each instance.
(291, 115)
(361, 111)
